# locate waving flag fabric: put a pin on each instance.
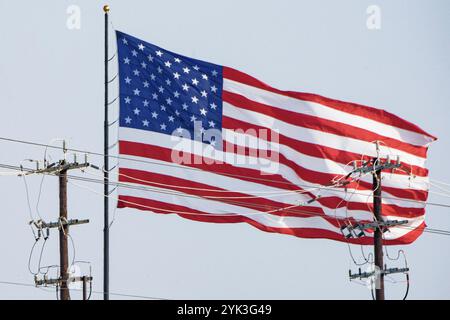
(213, 144)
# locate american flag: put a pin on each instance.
(213, 144)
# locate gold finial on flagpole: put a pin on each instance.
(106, 8)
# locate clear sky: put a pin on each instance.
(51, 85)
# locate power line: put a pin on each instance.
(303, 185)
(196, 169)
(441, 182)
(93, 291)
(290, 210)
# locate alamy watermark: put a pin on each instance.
(73, 21)
(246, 148)
(373, 21)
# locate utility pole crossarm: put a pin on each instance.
(357, 230)
(60, 223)
(361, 275)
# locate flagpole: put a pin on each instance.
(106, 170)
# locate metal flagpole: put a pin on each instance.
(106, 171)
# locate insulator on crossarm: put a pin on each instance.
(359, 231)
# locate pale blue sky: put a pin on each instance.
(51, 86)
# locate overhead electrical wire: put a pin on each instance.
(430, 230)
(275, 193)
(28, 199)
(50, 146)
(311, 186)
(119, 294)
(304, 212)
(440, 182)
(266, 194)
(196, 169)
(278, 209)
(290, 210)
(435, 185)
(347, 242)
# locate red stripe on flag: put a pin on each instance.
(315, 150)
(163, 154)
(320, 124)
(165, 208)
(260, 204)
(348, 107)
(324, 178)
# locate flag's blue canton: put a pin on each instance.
(165, 92)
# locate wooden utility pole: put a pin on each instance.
(378, 236)
(63, 232)
(379, 225)
(60, 169)
(84, 279)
